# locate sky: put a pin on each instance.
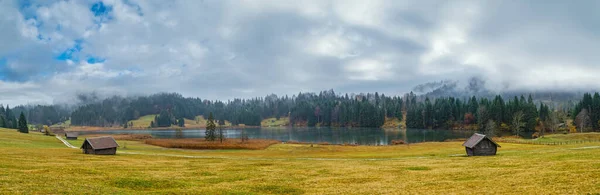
(220, 49)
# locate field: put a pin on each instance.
(37, 164)
(65, 124)
(143, 122)
(198, 122)
(273, 122)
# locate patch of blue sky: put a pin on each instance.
(102, 14)
(95, 59)
(4, 71)
(71, 53)
(137, 7)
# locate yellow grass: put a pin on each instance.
(37, 164)
(393, 123)
(253, 144)
(200, 122)
(65, 124)
(273, 122)
(143, 122)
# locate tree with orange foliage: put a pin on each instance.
(469, 118)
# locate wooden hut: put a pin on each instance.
(100, 145)
(480, 145)
(71, 135)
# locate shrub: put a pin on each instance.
(398, 142)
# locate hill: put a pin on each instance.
(199, 121)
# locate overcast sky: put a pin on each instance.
(51, 50)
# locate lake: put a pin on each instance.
(362, 136)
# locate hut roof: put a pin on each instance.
(475, 139)
(71, 134)
(99, 143)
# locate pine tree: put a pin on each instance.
(23, 128)
(181, 122)
(210, 134)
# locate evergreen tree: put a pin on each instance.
(210, 134)
(23, 128)
(181, 122)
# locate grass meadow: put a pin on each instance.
(37, 164)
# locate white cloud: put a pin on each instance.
(222, 49)
(369, 70)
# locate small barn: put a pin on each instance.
(480, 145)
(100, 145)
(71, 135)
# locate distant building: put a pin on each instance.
(480, 145)
(100, 145)
(57, 130)
(71, 135)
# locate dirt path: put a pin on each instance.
(65, 142)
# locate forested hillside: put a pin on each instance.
(517, 113)
(8, 118)
(326, 109)
(44, 114)
(304, 109)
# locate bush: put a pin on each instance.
(398, 142)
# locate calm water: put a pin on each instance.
(363, 136)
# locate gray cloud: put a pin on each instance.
(227, 49)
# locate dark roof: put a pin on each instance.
(475, 139)
(71, 134)
(99, 143)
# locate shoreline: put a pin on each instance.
(82, 129)
(90, 128)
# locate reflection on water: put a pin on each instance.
(362, 136)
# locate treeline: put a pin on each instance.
(9, 120)
(517, 114)
(171, 107)
(325, 108)
(44, 114)
(306, 109)
(586, 114)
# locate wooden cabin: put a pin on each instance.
(100, 145)
(480, 145)
(71, 135)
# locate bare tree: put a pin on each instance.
(178, 133)
(552, 122)
(517, 122)
(221, 134)
(490, 129)
(583, 120)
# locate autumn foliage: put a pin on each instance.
(469, 118)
